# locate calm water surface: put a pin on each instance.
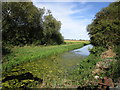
(56, 69)
(72, 58)
(84, 51)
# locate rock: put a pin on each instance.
(96, 71)
(99, 65)
(96, 77)
(108, 54)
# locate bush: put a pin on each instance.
(116, 66)
(97, 50)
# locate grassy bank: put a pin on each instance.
(24, 54)
(88, 68)
(83, 74)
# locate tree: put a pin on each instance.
(51, 29)
(23, 23)
(19, 21)
(104, 30)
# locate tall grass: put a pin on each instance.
(24, 54)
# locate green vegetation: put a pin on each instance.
(43, 58)
(29, 36)
(104, 31)
(23, 23)
(115, 67)
(24, 54)
(42, 69)
(82, 75)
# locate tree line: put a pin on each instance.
(23, 23)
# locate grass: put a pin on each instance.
(58, 76)
(25, 54)
(83, 74)
(42, 69)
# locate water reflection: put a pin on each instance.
(72, 58)
(84, 51)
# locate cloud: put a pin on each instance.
(69, 0)
(72, 27)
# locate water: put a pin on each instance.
(84, 51)
(54, 70)
(72, 58)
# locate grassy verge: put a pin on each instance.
(83, 74)
(24, 54)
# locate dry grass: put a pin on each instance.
(76, 41)
(108, 54)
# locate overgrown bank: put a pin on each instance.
(83, 74)
(95, 68)
(44, 72)
(24, 54)
(104, 32)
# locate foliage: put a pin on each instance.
(41, 68)
(104, 30)
(51, 30)
(6, 50)
(23, 23)
(24, 54)
(115, 66)
(97, 50)
(83, 73)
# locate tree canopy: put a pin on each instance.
(23, 23)
(104, 30)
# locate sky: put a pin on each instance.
(74, 16)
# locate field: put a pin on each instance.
(25, 54)
(76, 41)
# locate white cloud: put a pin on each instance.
(69, 0)
(71, 28)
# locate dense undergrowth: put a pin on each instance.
(104, 31)
(115, 67)
(84, 75)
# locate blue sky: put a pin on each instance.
(75, 16)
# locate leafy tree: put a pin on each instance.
(23, 23)
(104, 30)
(51, 29)
(19, 21)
